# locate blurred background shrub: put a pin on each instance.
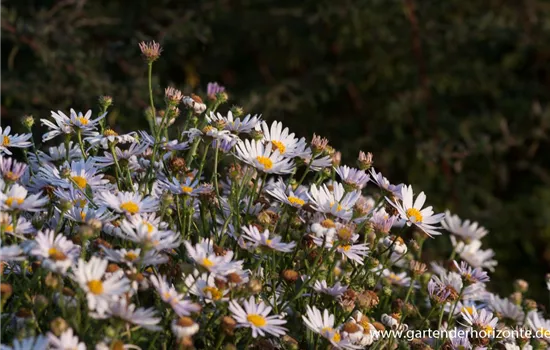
(450, 96)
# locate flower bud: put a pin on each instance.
(530, 304)
(364, 161)
(521, 286)
(27, 121)
(40, 302)
(228, 325)
(52, 281)
(222, 97)
(58, 325)
(105, 102)
(290, 343)
(386, 291)
(150, 51)
(86, 233)
(290, 276)
(237, 111)
(367, 300)
(254, 286)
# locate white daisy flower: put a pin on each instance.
(234, 125)
(335, 291)
(203, 254)
(333, 199)
(393, 323)
(397, 244)
(481, 321)
(505, 309)
(30, 343)
(263, 239)
(184, 327)
(100, 291)
(364, 333)
(396, 279)
(129, 155)
(282, 140)
(474, 255)
(133, 257)
(189, 186)
(382, 221)
(11, 170)
(111, 137)
(265, 158)
(67, 340)
(165, 144)
(144, 233)
(424, 219)
(169, 295)
(16, 199)
(81, 174)
(22, 227)
(56, 251)
(204, 286)
(69, 125)
(139, 316)
(539, 324)
(15, 140)
(384, 184)
(255, 316)
(11, 253)
(85, 214)
(286, 195)
(323, 324)
(353, 177)
(129, 202)
(465, 230)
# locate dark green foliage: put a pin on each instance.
(450, 96)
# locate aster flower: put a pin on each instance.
(84, 214)
(323, 324)
(129, 154)
(11, 253)
(195, 103)
(263, 239)
(204, 286)
(355, 178)
(56, 251)
(169, 295)
(133, 257)
(128, 202)
(68, 125)
(335, 291)
(471, 275)
(384, 184)
(144, 233)
(265, 158)
(11, 170)
(66, 340)
(282, 139)
(382, 221)
(139, 316)
(397, 279)
(481, 321)
(214, 88)
(506, 310)
(474, 255)
(111, 137)
(234, 125)
(30, 343)
(359, 330)
(16, 198)
(12, 141)
(284, 193)
(255, 316)
(55, 154)
(203, 255)
(100, 291)
(81, 174)
(465, 230)
(424, 219)
(188, 187)
(335, 201)
(22, 226)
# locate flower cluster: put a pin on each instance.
(222, 230)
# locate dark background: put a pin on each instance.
(450, 96)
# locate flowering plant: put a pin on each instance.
(215, 231)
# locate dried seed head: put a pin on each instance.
(290, 276)
(228, 325)
(172, 96)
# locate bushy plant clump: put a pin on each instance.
(223, 231)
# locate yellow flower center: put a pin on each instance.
(414, 215)
(256, 320)
(338, 207)
(83, 215)
(215, 293)
(265, 162)
(296, 200)
(328, 223)
(56, 255)
(95, 286)
(187, 189)
(110, 132)
(268, 242)
(489, 330)
(279, 146)
(9, 229)
(345, 248)
(130, 207)
(130, 256)
(80, 181)
(467, 309)
(336, 338)
(82, 120)
(150, 227)
(11, 176)
(10, 200)
(6, 141)
(207, 262)
(80, 202)
(393, 277)
(543, 332)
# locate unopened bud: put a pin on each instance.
(364, 161)
(40, 302)
(105, 102)
(27, 121)
(237, 111)
(58, 325)
(228, 325)
(521, 286)
(290, 276)
(530, 304)
(52, 281)
(254, 286)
